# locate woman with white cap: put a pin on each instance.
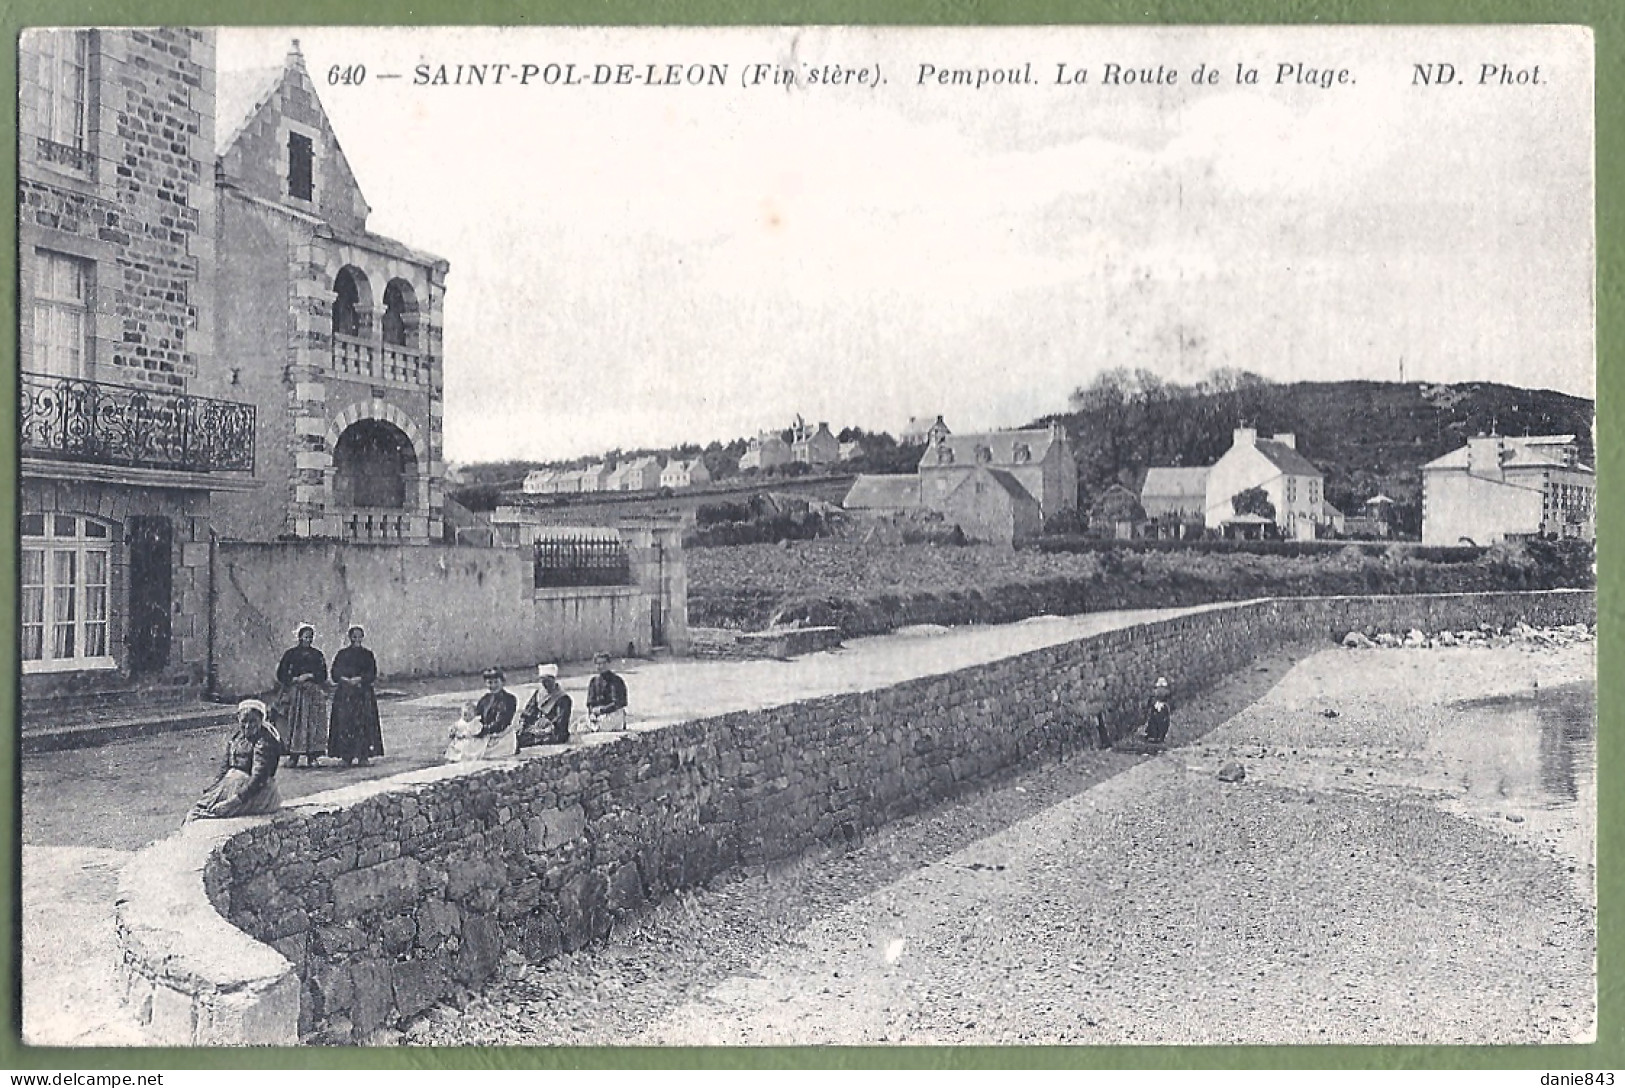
(247, 782)
(301, 703)
(1159, 712)
(354, 733)
(546, 718)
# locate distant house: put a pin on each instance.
(679, 473)
(541, 481)
(638, 474)
(767, 450)
(1375, 519)
(850, 450)
(923, 432)
(1175, 501)
(883, 494)
(814, 447)
(595, 478)
(1116, 512)
(1293, 484)
(1497, 487)
(991, 506)
(1334, 519)
(1040, 460)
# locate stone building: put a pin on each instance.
(767, 450)
(1040, 460)
(814, 446)
(121, 457)
(332, 331)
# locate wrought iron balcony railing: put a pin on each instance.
(71, 419)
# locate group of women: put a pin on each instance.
(351, 731)
(297, 723)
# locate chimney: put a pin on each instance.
(1244, 436)
(1289, 440)
(1484, 456)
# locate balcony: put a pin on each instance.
(374, 526)
(72, 419)
(356, 358)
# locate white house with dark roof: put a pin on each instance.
(1293, 483)
(1499, 486)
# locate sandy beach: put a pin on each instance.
(1409, 859)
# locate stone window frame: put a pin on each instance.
(90, 536)
(44, 307)
(75, 138)
(284, 131)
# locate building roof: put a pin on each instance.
(1002, 444)
(1174, 483)
(1285, 458)
(883, 492)
(1002, 479)
(1533, 451)
(238, 96)
(1329, 510)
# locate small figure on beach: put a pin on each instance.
(247, 782)
(1159, 712)
(300, 710)
(354, 734)
(463, 743)
(546, 718)
(606, 698)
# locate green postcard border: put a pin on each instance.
(1608, 22)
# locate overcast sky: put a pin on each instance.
(639, 266)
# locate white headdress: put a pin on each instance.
(547, 670)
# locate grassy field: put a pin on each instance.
(871, 588)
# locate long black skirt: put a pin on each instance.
(353, 731)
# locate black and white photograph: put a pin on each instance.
(774, 536)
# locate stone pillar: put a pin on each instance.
(433, 346)
(655, 548)
(310, 357)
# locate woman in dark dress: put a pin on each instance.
(354, 734)
(301, 703)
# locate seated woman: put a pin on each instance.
(546, 718)
(247, 782)
(498, 735)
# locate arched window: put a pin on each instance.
(374, 466)
(352, 303)
(400, 320)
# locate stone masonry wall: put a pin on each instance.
(383, 903)
(140, 209)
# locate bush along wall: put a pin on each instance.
(387, 904)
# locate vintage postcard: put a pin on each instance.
(800, 536)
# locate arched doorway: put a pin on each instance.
(374, 466)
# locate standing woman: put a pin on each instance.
(301, 703)
(354, 735)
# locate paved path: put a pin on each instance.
(85, 810)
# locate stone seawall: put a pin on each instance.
(387, 897)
